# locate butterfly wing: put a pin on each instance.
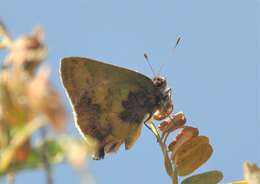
(110, 103)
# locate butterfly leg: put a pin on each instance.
(147, 121)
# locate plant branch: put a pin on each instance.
(10, 178)
(46, 163)
(167, 162)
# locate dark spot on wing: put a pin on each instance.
(137, 105)
(87, 117)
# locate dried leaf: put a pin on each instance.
(13, 102)
(210, 177)
(38, 33)
(22, 152)
(192, 154)
(185, 135)
(174, 122)
(27, 52)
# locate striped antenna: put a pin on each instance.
(173, 51)
(147, 60)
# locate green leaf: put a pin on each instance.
(210, 177)
(52, 149)
(7, 154)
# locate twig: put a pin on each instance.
(46, 163)
(171, 171)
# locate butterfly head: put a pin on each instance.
(160, 83)
(165, 105)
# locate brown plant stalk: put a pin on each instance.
(169, 167)
(46, 163)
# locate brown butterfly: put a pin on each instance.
(111, 103)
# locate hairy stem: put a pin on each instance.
(46, 163)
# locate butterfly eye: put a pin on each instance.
(160, 82)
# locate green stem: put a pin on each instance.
(167, 162)
(46, 163)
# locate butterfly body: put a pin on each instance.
(111, 103)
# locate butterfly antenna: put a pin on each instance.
(147, 60)
(173, 51)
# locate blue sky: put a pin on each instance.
(214, 72)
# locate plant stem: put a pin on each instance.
(167, 162)
(10, 178)
(46, 163)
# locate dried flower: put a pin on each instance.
(27, 52)
(252, 173)
(45, 99)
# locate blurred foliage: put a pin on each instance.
(251, 174)
(33, 158)
(28, 105)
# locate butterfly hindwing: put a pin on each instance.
(110, 102)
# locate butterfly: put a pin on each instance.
(111, 103)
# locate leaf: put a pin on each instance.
(52, 149)
(210, 177)
(22, 152)
(185, 135)
(174, 122)
(192, 154)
